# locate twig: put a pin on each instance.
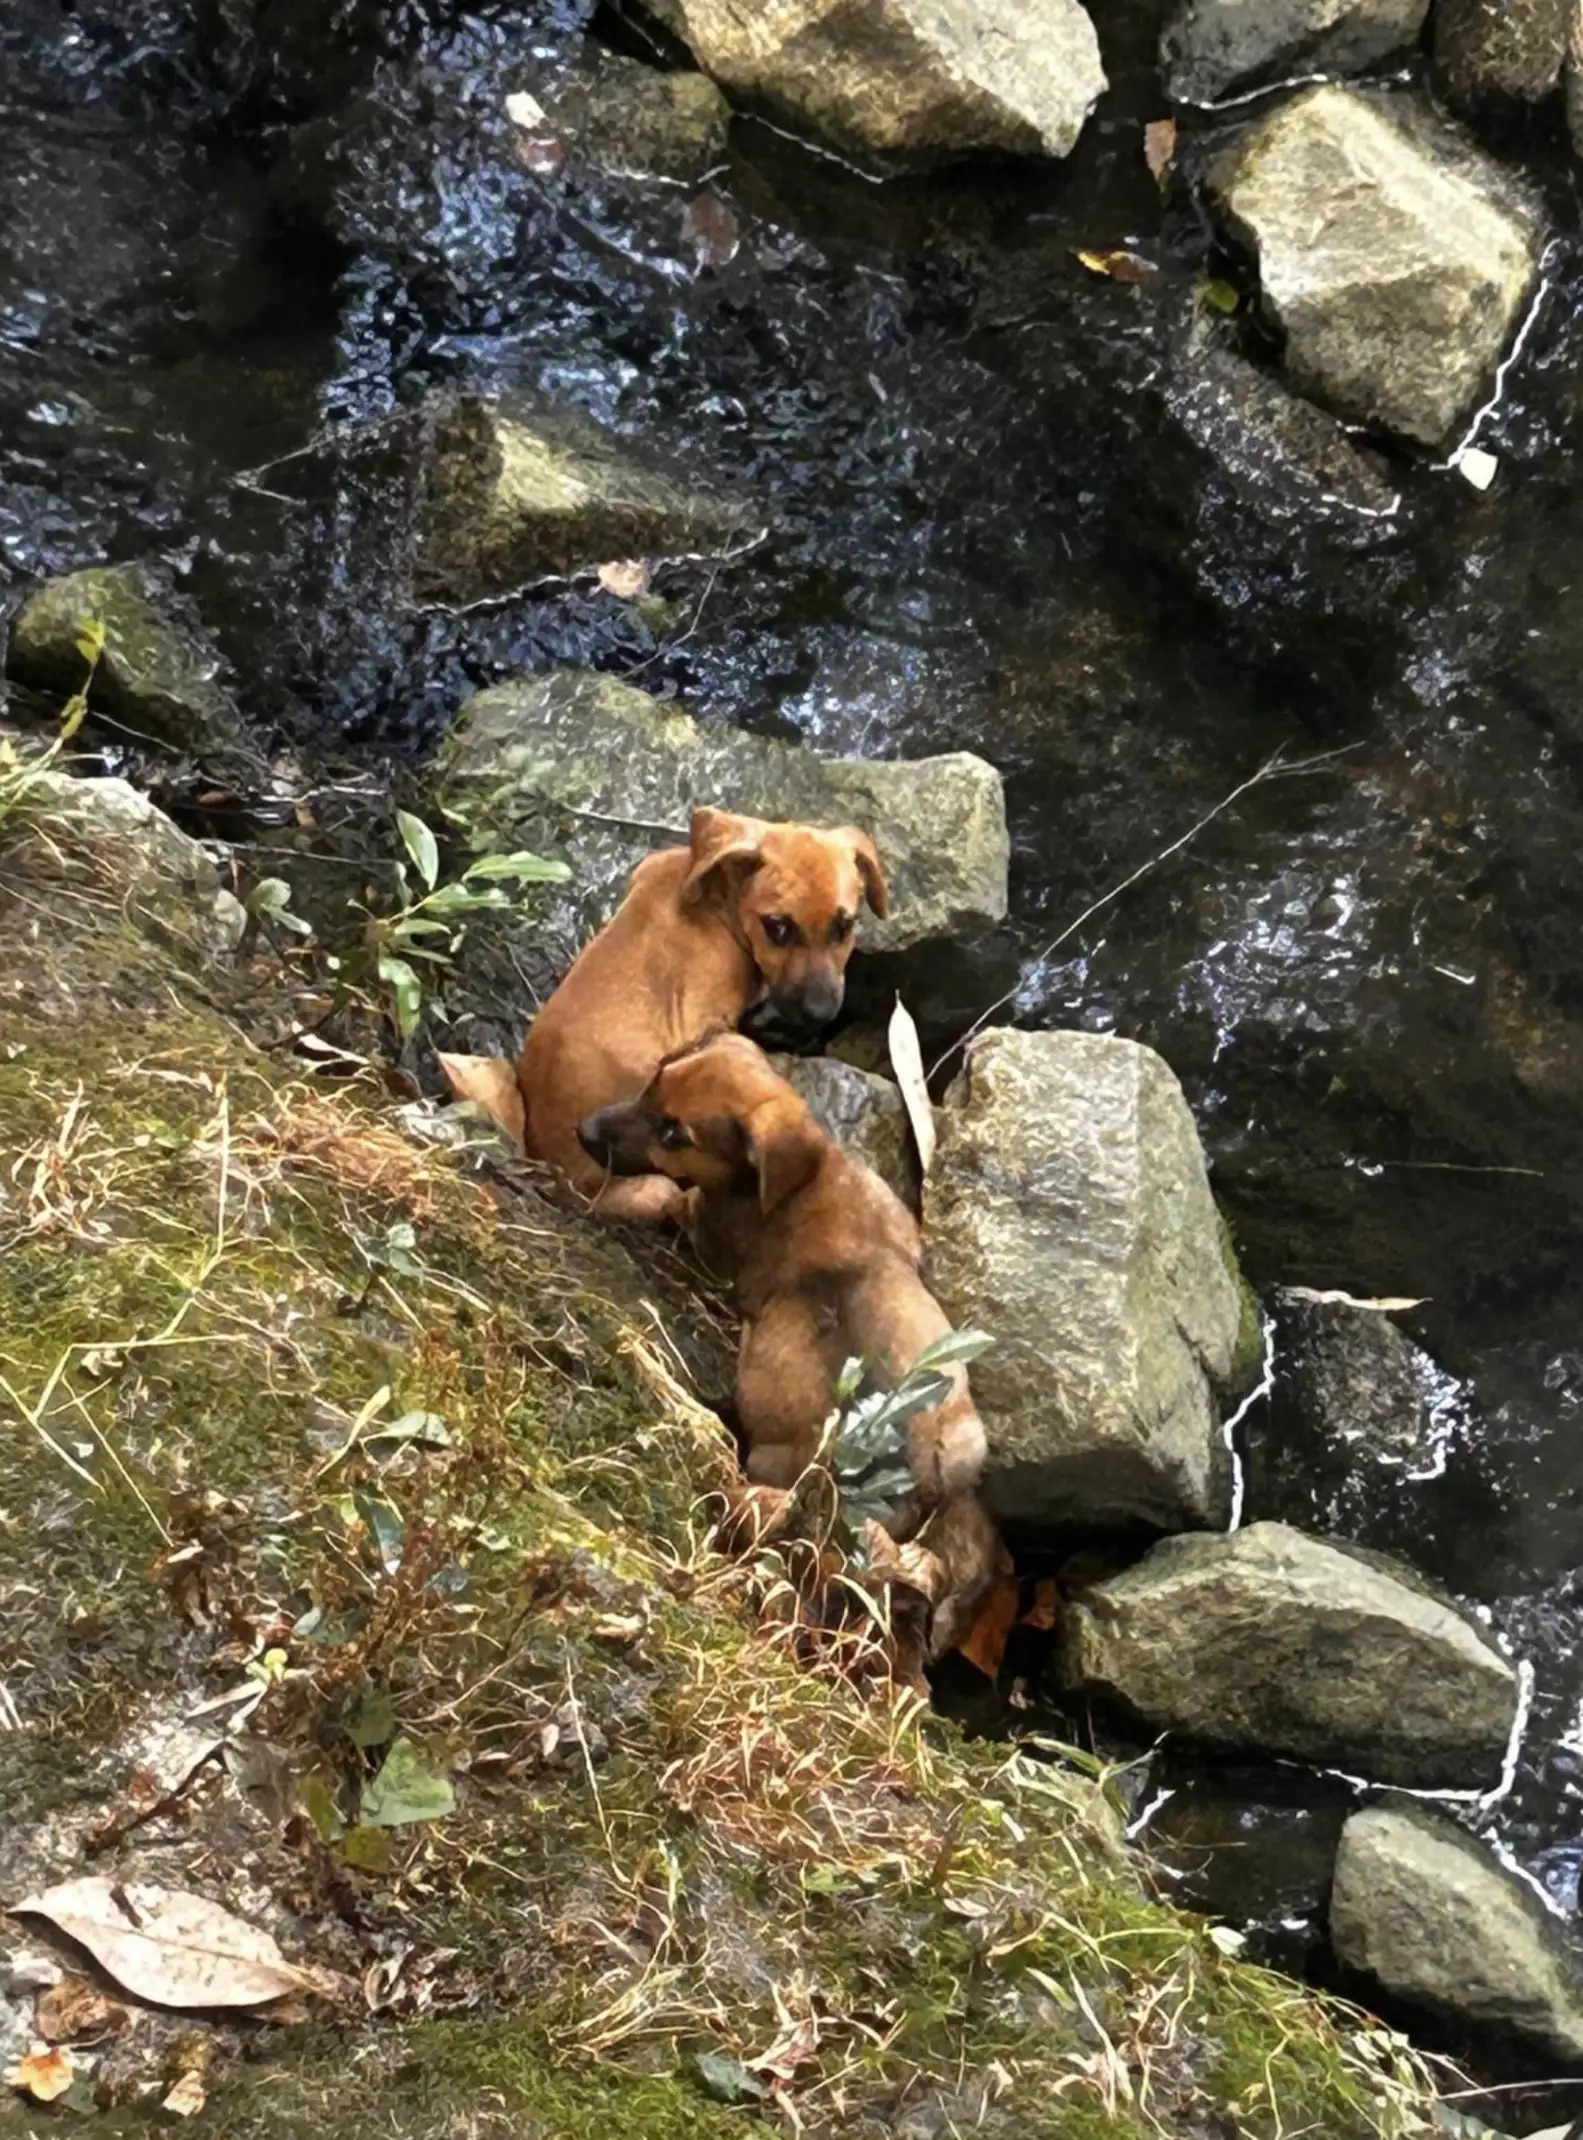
(1273, 768)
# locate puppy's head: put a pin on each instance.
(792, 893)
(717, 1117)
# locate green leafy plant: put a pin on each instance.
(20, 775)
(429, 925)
(868, 1453)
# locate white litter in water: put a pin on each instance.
(1477, 467)
(525, 111)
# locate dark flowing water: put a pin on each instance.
(1001, 519)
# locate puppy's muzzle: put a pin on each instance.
(615, 1138)
(796, 1015)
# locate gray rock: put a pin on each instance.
(1272, 1642)
(158, 676)
(515, 492)
(908, 77)
(635, 121)
(1574, 73)
(1395, 258)
(863, 1112)
(1430, 1915)
(1500, 48)
(162, 879)
(582, 764)
(1360, 1386)
(1213, 46)
(1068, 1213)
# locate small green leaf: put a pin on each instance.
(955, 1348)
(425, 1428)
(318, 1802)
(726, 2079)
(520, 868)
(384, 1526)
(90, 641)
(1219, 295)
(408, 989)
(75, 714)
(368, 1849)
(271, 901)
(849, 1381)
(420, 843)
(406, 1790)
(371, 1720)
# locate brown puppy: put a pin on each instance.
(826, 1264)
(749, 917)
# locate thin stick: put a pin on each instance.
(1272, 769)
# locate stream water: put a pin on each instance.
(1000, 520)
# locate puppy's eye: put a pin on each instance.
(780, 929)
(841, 928)
(675, 1136)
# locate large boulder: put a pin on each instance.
(1574, 72)
(1068, 1213)
(158, 679)
(1500, 48)
(908, 77)
(1213, 46)
(1425, 1911)
(515, 491)
(1395, 258)
(581, 764)
(1272, 1642)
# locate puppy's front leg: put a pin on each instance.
(645, 1200)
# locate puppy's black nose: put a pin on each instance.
(594, 1137)
(820, 1001)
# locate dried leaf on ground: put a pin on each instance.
(75, 2011)
(492, 1082)
(906, 1059)
(43, 2074)
(171, 1948)
(911, 1567)
(796, 2044)
(187, 2098)
(1159, 148)
(710, 226)
(1119, 264)
(626, 577)
(406, 1790)
(984, 1644)
(1045, 1611)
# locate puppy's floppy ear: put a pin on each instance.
(785, 1145)
(720, 843)
(866, 855)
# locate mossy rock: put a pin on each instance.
(681, 1862)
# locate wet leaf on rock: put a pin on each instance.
(168, 1947)
(1159, 148)
(1220, 296)
(1119, 264)
(710, 226)
(406, 1790)
(727, 2079)
(625, 577)
(44, 2074)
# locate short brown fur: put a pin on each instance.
(692, 946)
(825, 1260)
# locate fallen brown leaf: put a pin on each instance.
(906, 1059)
(1119, 265)
(171, 1948)
(492, 1082)
(187, 2098)
(796, 2044)
(43, 2074)
(711, 228)
(625, 576)
(75, 2011)
(984, 1644)
(1045, 1611)
(1159, 148)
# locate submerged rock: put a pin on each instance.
(1276, 1643)
(1360, 1386)
(1500, 48)
(1435, 1920)
(1068, 1213)
(158, 678)
(515, 492)
(1394, 257)
(635, 121)
(862, 1111)
(912, 76)
(1213, 46)
(581, 763)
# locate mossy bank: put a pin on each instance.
(686, 1884)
